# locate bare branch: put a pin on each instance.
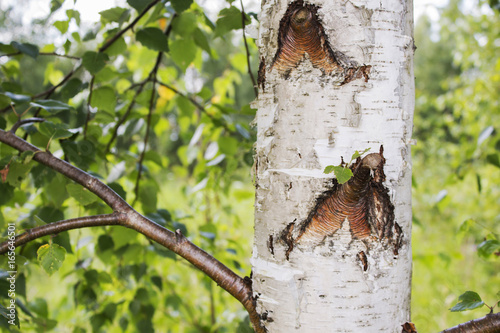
(128, 27)
(488, 324)
(89, 99)
(126, 216)
(60, 226)
(42, 54)
(256, 91)
(24, 122)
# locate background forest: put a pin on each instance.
(162, 113)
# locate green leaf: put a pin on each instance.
(493, 159)
(26, 48)
(62, 26)
(153, 38)
(70, 13)
(94, 61)
(342, 174)
(468, 301)
(488, 247)
(116, 14)
(229, 19)
(117, 48)
(6, 48)
(183, 52)
(201, 40)
(104, 98)
(139, 5)
(17, 172)
(329, 169)
(148, 197)
(17, 98)
(54, 131)
(228, 145)
(81, 194)
(4, 101)
(51, 257)
(51, 105)
(181, 5)
(71, 88)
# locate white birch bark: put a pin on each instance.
(308, 121)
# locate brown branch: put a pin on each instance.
(42, 54)
(130, 26)
(87, 118)
(60, 226)
(128, 217)
(123, 118)
(488, 324)
(63, 81)
(255, 89)
(20, 123)
(195, 103)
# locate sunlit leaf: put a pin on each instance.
(342, 174)
(51, 257)
(468, 301)
(104, 98)
(183, 52)
(488, 247)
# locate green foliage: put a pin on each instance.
(194, 169)
(458, 142)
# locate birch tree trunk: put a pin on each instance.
(351, 89)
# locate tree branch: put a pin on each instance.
(256, 91)
(130, 26)
(24, 122)
(126, 216)
(60, 226)
(488, 324)
(42, 54)
(89, 98)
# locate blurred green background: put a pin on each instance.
(195, 171)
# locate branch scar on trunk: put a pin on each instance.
(301, 35)
(363, 202)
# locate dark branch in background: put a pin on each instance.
(130, 26)
(195, 103)
(152, 76)
(255, 89)
(51, 90)
(60, 226)
(124, 117)
(488, 324)
(126, 216)
(89, 98)
(24, 122)
(43, 54)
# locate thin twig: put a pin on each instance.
(89, 99)
(63, 81)
(60, 226)
(24, 122)
(195, 103)
(114, 133)
(42, 54)
(130, 26)
(256, 91)
(148, 125)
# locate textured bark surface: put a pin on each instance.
(307, 119)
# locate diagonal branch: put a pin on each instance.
(126, 216)
(488, 324)
(256, 91)
(128, 27)
(60, 226)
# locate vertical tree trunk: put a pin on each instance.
(336, 77)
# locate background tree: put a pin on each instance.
(187, 139)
